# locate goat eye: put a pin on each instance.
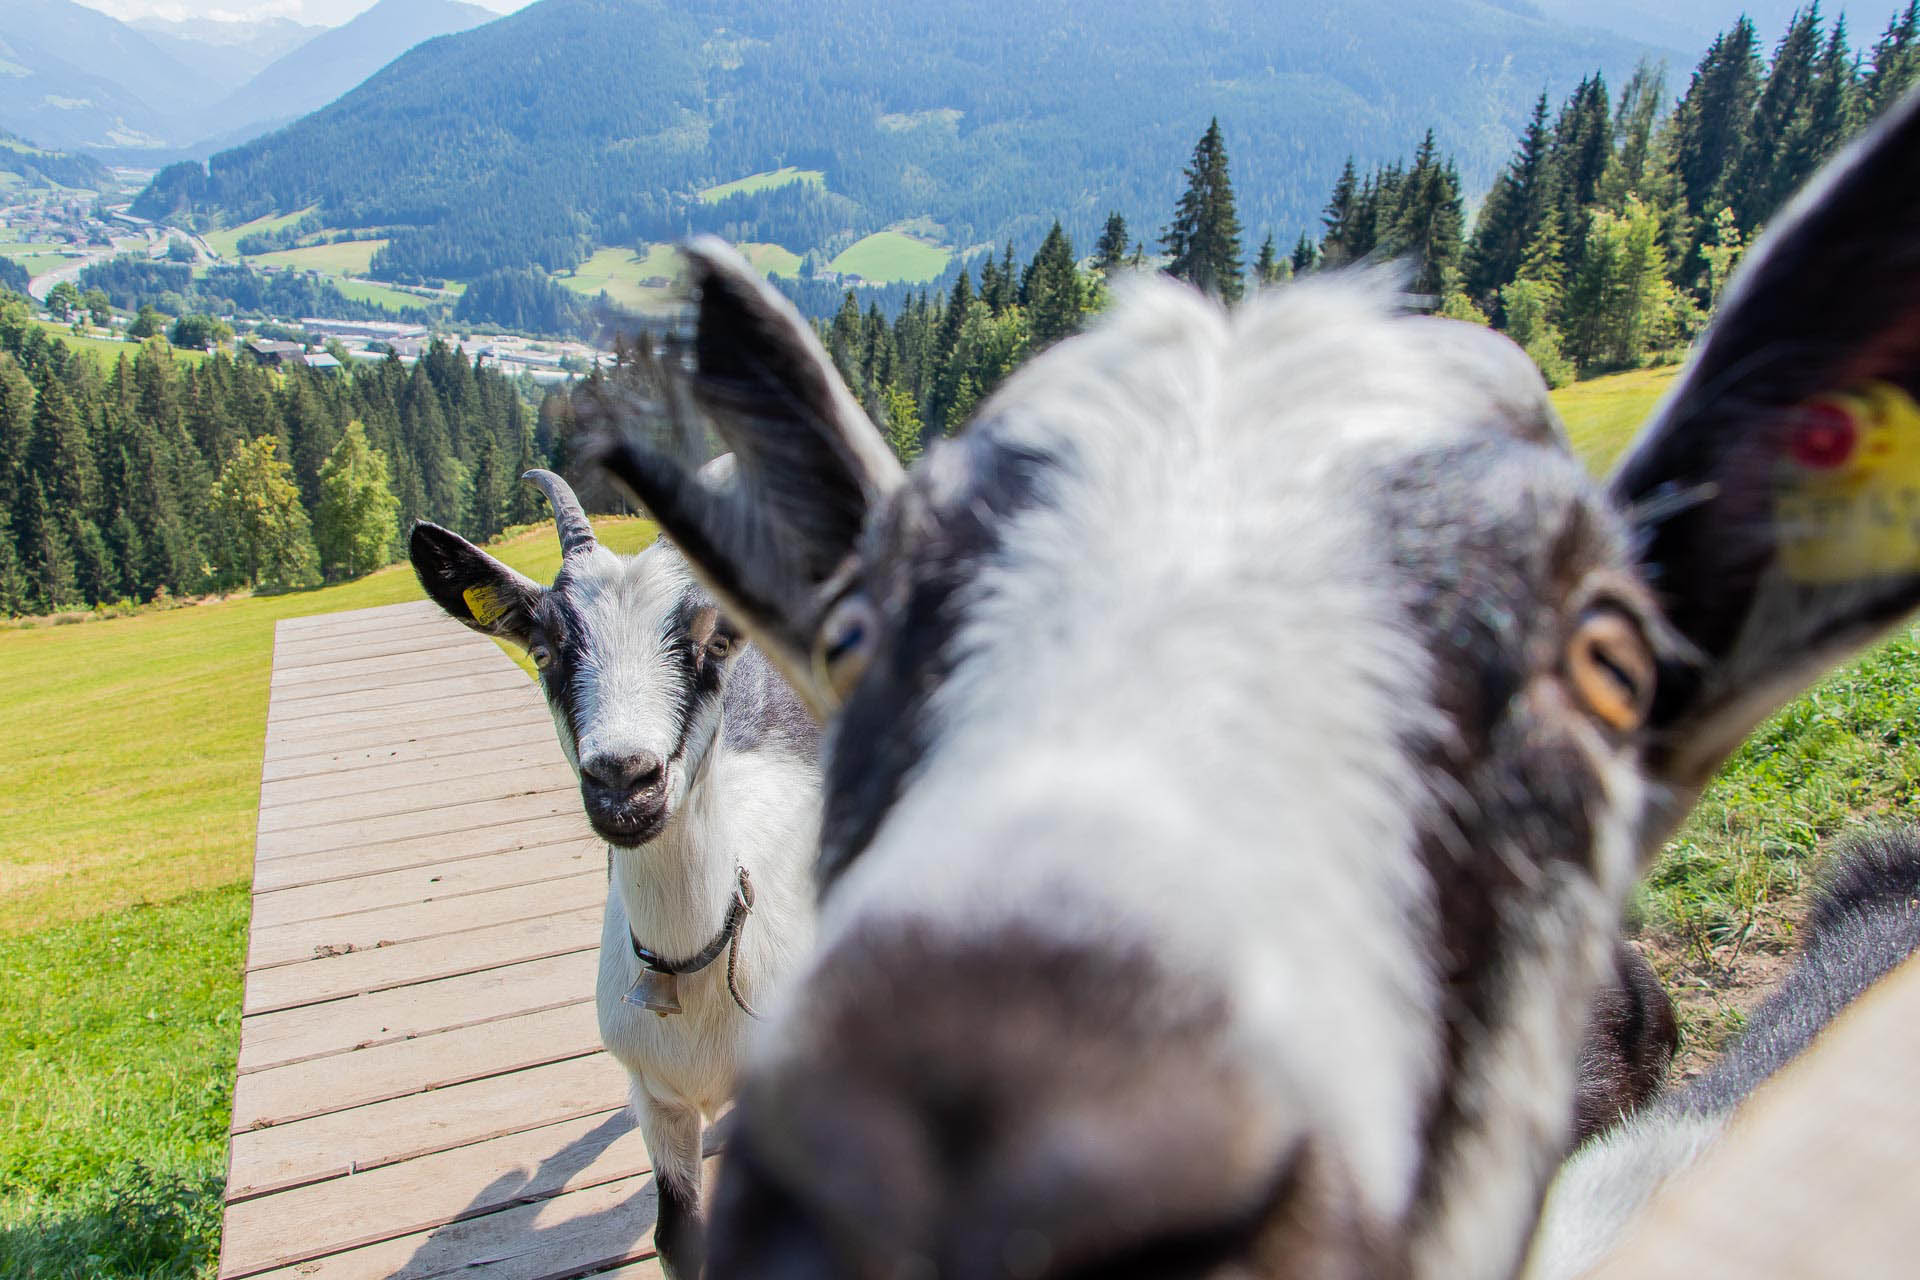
(1611, 668)
(845, 642)
(541, 655)
(719, 646)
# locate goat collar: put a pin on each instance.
(657, 987)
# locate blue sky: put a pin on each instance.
(326, 13)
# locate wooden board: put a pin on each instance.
(422, 1090)
(1816, 1176)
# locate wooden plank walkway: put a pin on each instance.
(421, 1086)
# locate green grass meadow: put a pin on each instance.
(126, 834)
(226, 242)
(763, 182)
(892, 257)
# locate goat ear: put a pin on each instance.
(1776, 495)
(471, 585)
(767, 531)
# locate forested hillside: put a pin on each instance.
(576, 123)
(37, 166)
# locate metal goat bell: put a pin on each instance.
(654, 990)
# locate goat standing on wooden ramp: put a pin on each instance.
(1865, 920)
(1243, 737)
(699, 768)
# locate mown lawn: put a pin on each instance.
(126, 830)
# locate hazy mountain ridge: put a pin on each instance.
(320, 69)
(229, 52)
(73, 77)
(992, 116)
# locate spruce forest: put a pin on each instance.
(1604, 244)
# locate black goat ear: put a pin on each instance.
(767, 532)
(1776, 495)
(471, 585)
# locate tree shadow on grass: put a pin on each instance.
(138, 1221)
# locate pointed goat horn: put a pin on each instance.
(568, 516)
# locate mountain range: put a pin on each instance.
(573, 123)
(74, 78)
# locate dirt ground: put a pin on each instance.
(1714, 988)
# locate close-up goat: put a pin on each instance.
(1864, 921)
(700, 769)
(1243, 736)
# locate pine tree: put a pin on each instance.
(1896, 61)
(1305, 255)
(15, 593)
(1582, 145)
(523, 500)
(1055, 297)
(1427, 221)
(1204, 237)
(45, 555)
(257, 507)
(1338, 219)
(59, 454)
(489, 492)
(1110, 250)
(1764, 176)
(1266, 267)
(1511, 213)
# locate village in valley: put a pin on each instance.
(55, 233)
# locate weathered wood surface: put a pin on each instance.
(422, 1090)
(1816, 1177)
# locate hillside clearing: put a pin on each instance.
(892, 257)
(226, 241)
(767, 181)
(381, 295)
(1602, 414)
(349, 257)
(623, 274)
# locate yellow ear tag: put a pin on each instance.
(485, 604)
(1847, 492)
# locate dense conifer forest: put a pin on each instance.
(161, 477)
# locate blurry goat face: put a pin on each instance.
(1242, 738)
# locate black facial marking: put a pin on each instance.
(558, 625)
(1505, 777)
(882, 733)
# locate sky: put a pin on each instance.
(322, 13)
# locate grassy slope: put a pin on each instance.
(349, 257)
(891, 256)
(763, 182)
(107, 351)
(619, 272)
(380, 295)
(226, 242)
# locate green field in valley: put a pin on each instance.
(763, 182)
(380, 295)
(226, 241)
(106, 352)
(349, 257)
(126, 833)
(887, 257)
(1602, 414)
(621, 274)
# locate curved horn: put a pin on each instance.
(568, 516)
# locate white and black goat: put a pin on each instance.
(700, 769)
(1865, 920)
(1242, 738)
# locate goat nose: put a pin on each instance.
(640, 771)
